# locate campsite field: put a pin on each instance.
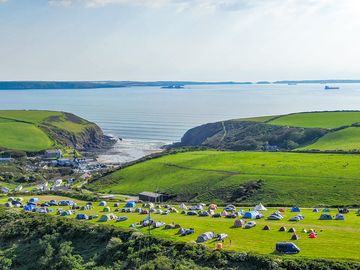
(217, 176)
(342, 236)
(24, 130)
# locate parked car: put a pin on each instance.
(287, 248)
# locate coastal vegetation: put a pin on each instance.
(334, 131)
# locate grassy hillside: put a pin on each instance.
(245, 177)
(23, 136)
(34, 131)
(318, 119)
(299, 131)
(347, 139)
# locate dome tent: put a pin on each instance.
(260, 207)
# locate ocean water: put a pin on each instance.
(148, 117)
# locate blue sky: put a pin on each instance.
(202, 40)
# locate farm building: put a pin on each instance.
(53, 154)
(147, 196)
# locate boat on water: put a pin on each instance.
(174, 86)
(331, 87)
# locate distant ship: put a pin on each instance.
(174, 86)
(331, 87)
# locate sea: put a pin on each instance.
(146, 118)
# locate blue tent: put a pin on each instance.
(295, 209)
(251, 214)
(34, 200)
(82, 216)
(66, 203)
(130, 204)
(29, 207)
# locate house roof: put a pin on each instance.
(150, 194)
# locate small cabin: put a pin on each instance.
(53, 154)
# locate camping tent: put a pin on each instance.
(238, 223)
(260, 207)
(8, 204)
(326, 210)
(282, 229)
(312, 235)
(183, 206)
(33, 200)
(212, 206)
(275, 216)
(29, 207)
(292, 230)
(325, 217)
(205, 237)
(266, 228)
(315, 210)
(107, 217)
(106, 209)
(340, 217)
(130, 204)
(102, 203)
(82, 216)
(224, 213)
(295, 209)
(251, 214)
(295, 237)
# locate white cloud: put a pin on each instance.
(3, 1)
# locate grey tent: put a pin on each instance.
(222, 236)
(107, 217)
(340, 217)
(205, 237)
(275, 216)
(158, 224)
(169, 226)
(238, 223)
(326, 217)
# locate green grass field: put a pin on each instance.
(289, 178)
(318, 119)
(336, 239)
(257, 119)
(22, 130)
(23, 136)
(347, 139)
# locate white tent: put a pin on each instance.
(183, 206)
(260, 207)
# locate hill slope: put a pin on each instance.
(34, 131)
(244, 177)
(311, 131)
